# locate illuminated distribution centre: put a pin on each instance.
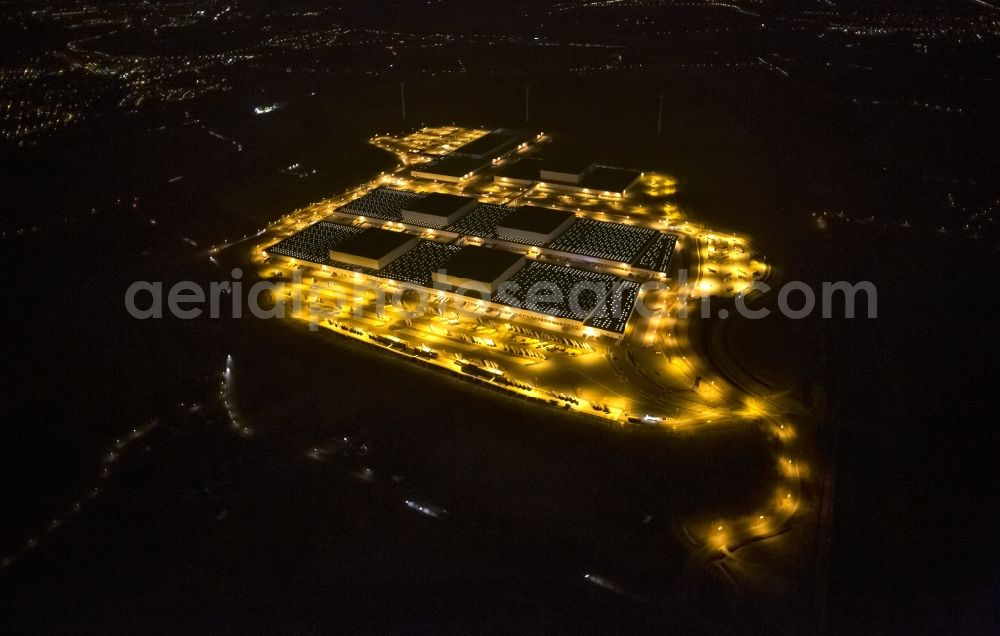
(540, 264)
(534, 225)
(372, 249)
(437, 209)
(561, 280)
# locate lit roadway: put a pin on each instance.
(657, 374)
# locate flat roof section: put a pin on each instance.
(609, 179)
(481, 263)
(489, 145)
(570, 173)
(437, 209)
(536, 219)
(478, 271)
(523, 171)
(450, 167)
(568, 170)
(570, 165)
(373, 248)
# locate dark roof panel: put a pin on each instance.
(452, 165)
(533, 218)
(481, 263)
(374, 243)
(608, 179)
(489, 145)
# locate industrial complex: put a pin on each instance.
(487, 255)
(565, 283)
(588, 271)
(578, 275)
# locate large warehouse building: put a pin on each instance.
(437, 210)
(534, 225)
(478, 269)
(487, 249)
(373, 248)
(472, 158)
(570, 176)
